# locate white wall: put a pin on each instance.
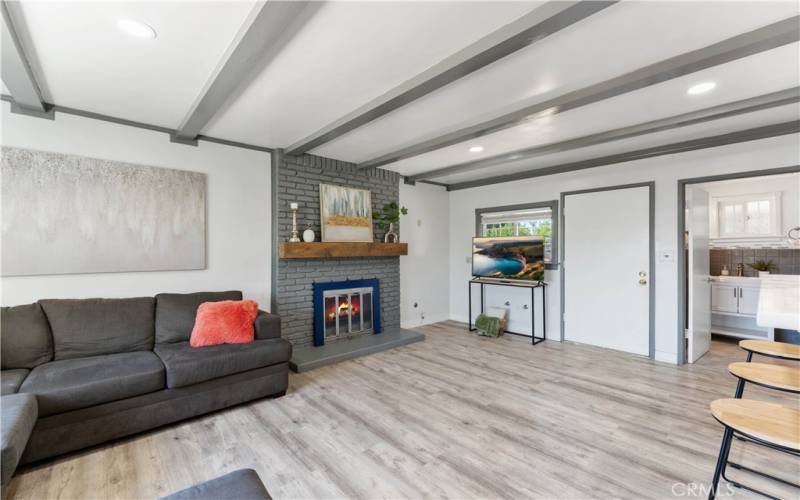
(665, 171)
(238, 209)
(424, 272)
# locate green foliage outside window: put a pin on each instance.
(540, 228)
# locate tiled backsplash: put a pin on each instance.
(787, 261)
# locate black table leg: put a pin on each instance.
(481, 298)
(544, 311)
(533, 316)
(469, 294)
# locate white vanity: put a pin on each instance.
(734, 307)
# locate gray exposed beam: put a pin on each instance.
(269, 26)
(55, 108)
(17, 72)
(528, 29)
(778, 129)
(771, 100)
(759, 40)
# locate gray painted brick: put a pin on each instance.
(298, 180)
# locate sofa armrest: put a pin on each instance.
(268, 326)
(19, 416)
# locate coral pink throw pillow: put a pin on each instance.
(224, 322)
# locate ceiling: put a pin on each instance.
(343, 55)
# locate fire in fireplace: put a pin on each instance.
(345, 308)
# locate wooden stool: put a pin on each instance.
(768, 424)
(777, 377)
(780, 350)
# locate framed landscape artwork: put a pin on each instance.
(345, 213)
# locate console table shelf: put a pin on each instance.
(533, 285)
(320, 250)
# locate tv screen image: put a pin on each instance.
(511, 258)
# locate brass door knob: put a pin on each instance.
(642, 281)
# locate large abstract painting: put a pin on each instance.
(346, 213)
(64, 214)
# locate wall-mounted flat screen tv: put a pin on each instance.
(509, 258)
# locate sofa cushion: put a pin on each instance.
(71, 384)
(18, 418)
(10, 380)
(188, 365)
(224, 322)
(91, 327)
(26, 340)
(175, 312)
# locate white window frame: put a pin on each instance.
(517, 213)
(774, 199)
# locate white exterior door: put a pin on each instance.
(606, 269)
(699, 334)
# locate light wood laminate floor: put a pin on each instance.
(456, 416)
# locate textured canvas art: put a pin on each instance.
(64, 214)
(346, 213)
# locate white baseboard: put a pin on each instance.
(666, 357)
(429, 319)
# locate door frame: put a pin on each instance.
(651, 185)
(681, 260)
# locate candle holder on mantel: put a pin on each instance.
(295, 237)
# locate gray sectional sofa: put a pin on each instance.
(101, 369)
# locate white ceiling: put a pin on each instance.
(351, 52)
(617, 40)
(348, 54)
(88, 63)
(736, 123)
(736, 80)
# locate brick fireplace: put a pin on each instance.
(297, 180)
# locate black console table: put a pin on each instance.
(533, 285)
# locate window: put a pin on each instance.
(521, 220)
(744, 216)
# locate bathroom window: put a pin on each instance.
(746, 216)
(522, 220)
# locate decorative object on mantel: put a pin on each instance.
(308, 234)
(83, 221)
(345, 213)
(725, 271)
(327, 250)
(294, 238)
(763, 267)
(389, 216)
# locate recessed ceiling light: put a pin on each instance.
(136, 28)
(476, 149)
(701, 88)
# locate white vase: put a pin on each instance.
(391, 236)
(308, 235)
(761, 274)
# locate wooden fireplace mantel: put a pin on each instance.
(319, 250)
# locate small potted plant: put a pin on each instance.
(763, 267)
(388, 217)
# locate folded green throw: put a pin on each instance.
(488, 326)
